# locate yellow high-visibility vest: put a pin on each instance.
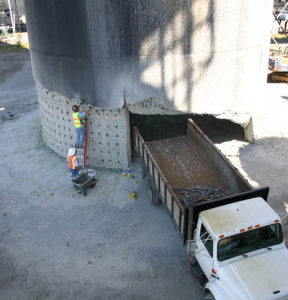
(76, 120)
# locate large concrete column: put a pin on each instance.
(203, 56)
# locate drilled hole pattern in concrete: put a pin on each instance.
(108, 130)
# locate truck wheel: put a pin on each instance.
(209, 296)
(152, 192)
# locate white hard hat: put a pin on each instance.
(71, 151)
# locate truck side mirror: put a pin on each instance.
(191, 247)
(215, 277)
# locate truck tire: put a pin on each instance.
(152, 192)
(209, 296)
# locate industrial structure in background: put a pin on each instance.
(136, 57)
(278, 57)
(12, 16)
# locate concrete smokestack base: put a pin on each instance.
(108, 130)
(109, 143)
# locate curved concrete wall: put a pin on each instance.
(192, 55)
(202, 56)
(108, 130)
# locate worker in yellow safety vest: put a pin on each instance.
(79, 121)
(73, 162)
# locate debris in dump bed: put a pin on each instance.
(197, 193)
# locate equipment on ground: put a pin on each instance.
(278, 58)
(278, 65)
(84, 181)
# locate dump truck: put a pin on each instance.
(232, 234)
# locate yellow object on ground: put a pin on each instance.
(133, 194)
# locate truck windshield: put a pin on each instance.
(240, 244)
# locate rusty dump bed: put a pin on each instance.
(182, 164)
(186, 161)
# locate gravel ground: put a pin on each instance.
(56, 244)
(12, 62)
(265, 163)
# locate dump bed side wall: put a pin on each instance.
(176, 209)
(231, 176)
(185, 218)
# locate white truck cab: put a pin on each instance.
(241, 250)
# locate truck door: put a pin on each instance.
(204, 250)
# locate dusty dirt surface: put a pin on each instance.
(11, 62)
(17, 87)
(58, 244)
(265, 163)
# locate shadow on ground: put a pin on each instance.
(266, 162)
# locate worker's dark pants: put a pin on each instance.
(79, 137)
(73, 172)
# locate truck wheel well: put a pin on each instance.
(152, 191)
(208, 295)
